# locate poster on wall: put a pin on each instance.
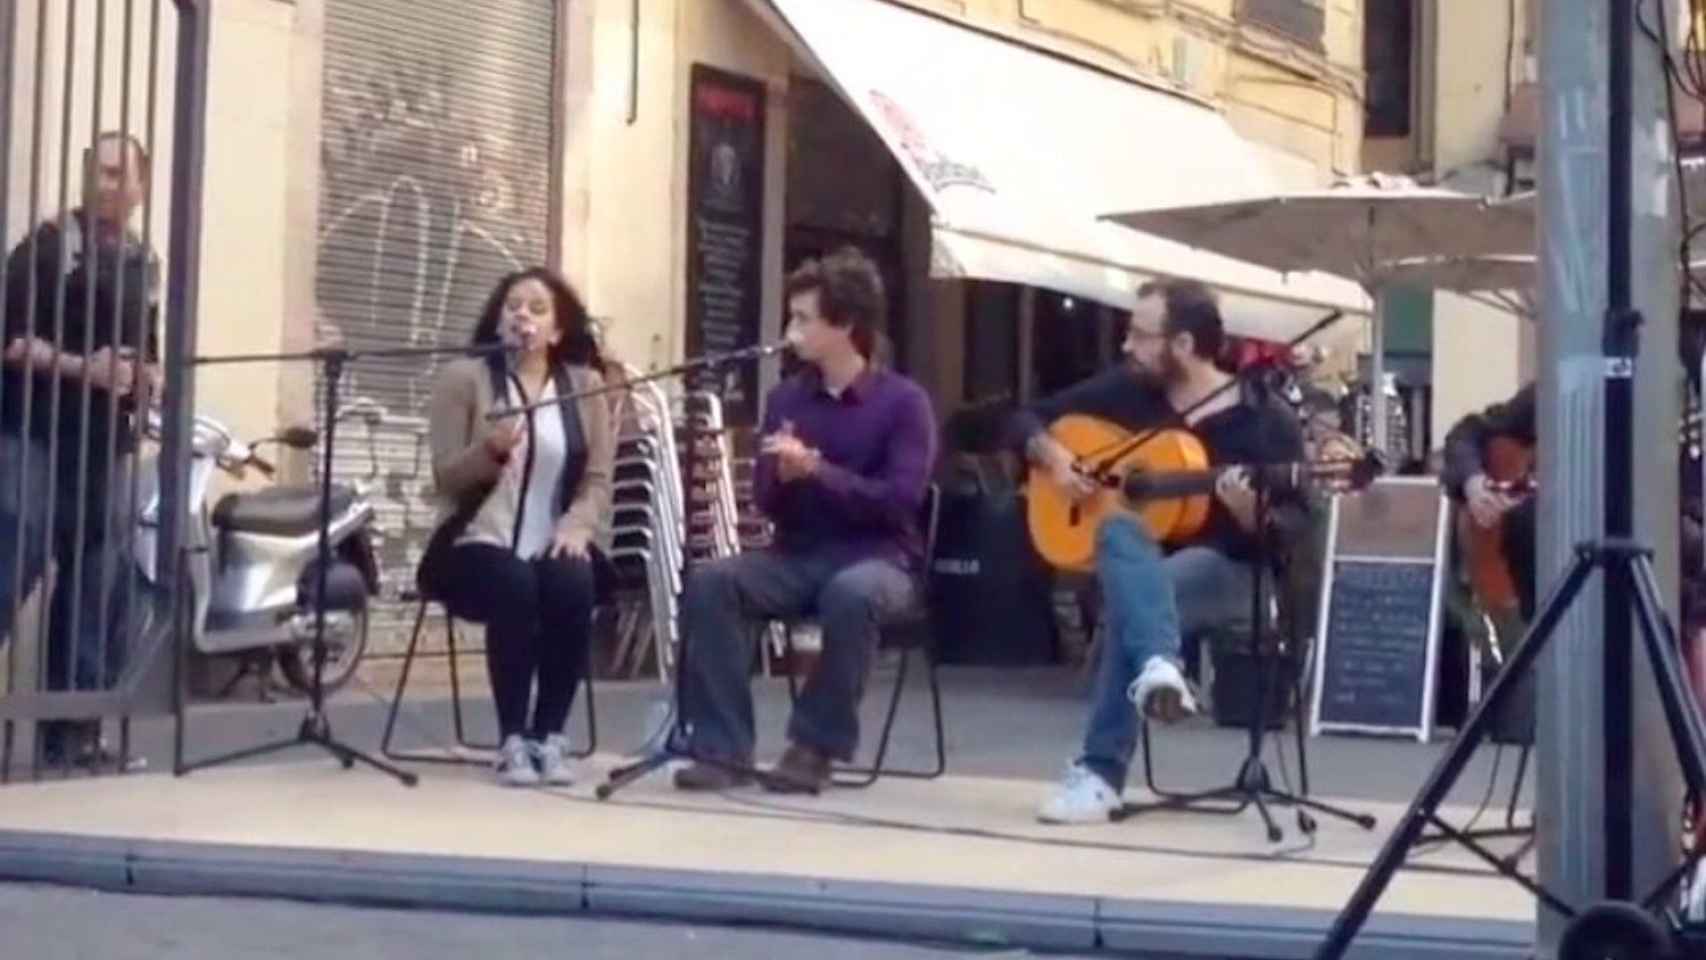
(725, 240)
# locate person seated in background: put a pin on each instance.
(523, 500)
(1467, 482)
(1154, 595)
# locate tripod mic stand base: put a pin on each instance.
(315, 730)
(1252, 786)
(624, 775)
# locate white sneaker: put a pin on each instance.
(552, 756)
(515, 763)
(1083, 797)
(1161, 692)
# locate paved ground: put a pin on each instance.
(1005, 723)
(51, 923)
(959, 858)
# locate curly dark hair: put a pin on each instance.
(850, 294)
(577, 345)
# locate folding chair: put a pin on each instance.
(908, 631)
(456, 696)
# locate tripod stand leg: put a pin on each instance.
(1450, 767)
(622, 776)
(351, 756)
(1681, 711)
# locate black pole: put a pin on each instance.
(334, 376)
(1621, 346)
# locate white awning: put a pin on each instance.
(1019, 152)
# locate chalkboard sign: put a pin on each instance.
(1380, 610)
(725, 228)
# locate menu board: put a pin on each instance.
(725, 230)
(1379, 626)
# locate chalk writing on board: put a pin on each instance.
(1378, 630)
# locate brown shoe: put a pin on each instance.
(801, 770)
(708, 778)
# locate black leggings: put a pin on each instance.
(538, 617)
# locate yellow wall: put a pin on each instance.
(250, 218)
(1479, 352)
(625, 196)
(1302, 106)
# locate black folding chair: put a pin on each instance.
(907, 631)
(456, 696)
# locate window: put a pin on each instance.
(1386, 49)
(1304, 21)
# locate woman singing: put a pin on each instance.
(523, 501)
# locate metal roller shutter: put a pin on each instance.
(435, 182)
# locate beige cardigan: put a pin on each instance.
(461, 462)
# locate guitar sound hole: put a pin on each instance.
(1073, 515)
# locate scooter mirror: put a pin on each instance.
(299, 438)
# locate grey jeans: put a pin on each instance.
(725, 599)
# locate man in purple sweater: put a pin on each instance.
(847, 453)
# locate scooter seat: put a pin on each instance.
(284, 511)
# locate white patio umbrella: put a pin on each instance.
(1508, 283)
(1355, 229)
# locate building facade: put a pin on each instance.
(373, 167)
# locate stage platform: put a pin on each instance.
(957, 859)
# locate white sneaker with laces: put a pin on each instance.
(1161, 692)
(1082, 797)
(552, 757)
(515, 763)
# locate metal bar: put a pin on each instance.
(8, 83)
(184, 256)
(32, 299)
(85, 393)
(1620, 342)
(111, 558)
(1503, 867)
(148, 332)
(45, 622)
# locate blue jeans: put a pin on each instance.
(1149, 601)
(84, 657)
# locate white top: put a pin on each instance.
(537, 513)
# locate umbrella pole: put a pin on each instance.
(1377, 373)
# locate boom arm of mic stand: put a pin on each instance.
(1125, 449)
(710, 361)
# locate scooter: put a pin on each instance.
(252, 561)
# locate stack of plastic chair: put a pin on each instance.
(648, 531)
(714, 525)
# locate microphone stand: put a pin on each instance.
(705, 363)
(1253, 784)
(677, 744)
(316, 727)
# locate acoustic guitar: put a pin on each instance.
(1509, 465)
(1166, 482)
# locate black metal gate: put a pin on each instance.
(95, 390)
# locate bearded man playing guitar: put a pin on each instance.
(1153, 592)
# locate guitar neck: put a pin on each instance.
(1188, 483)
